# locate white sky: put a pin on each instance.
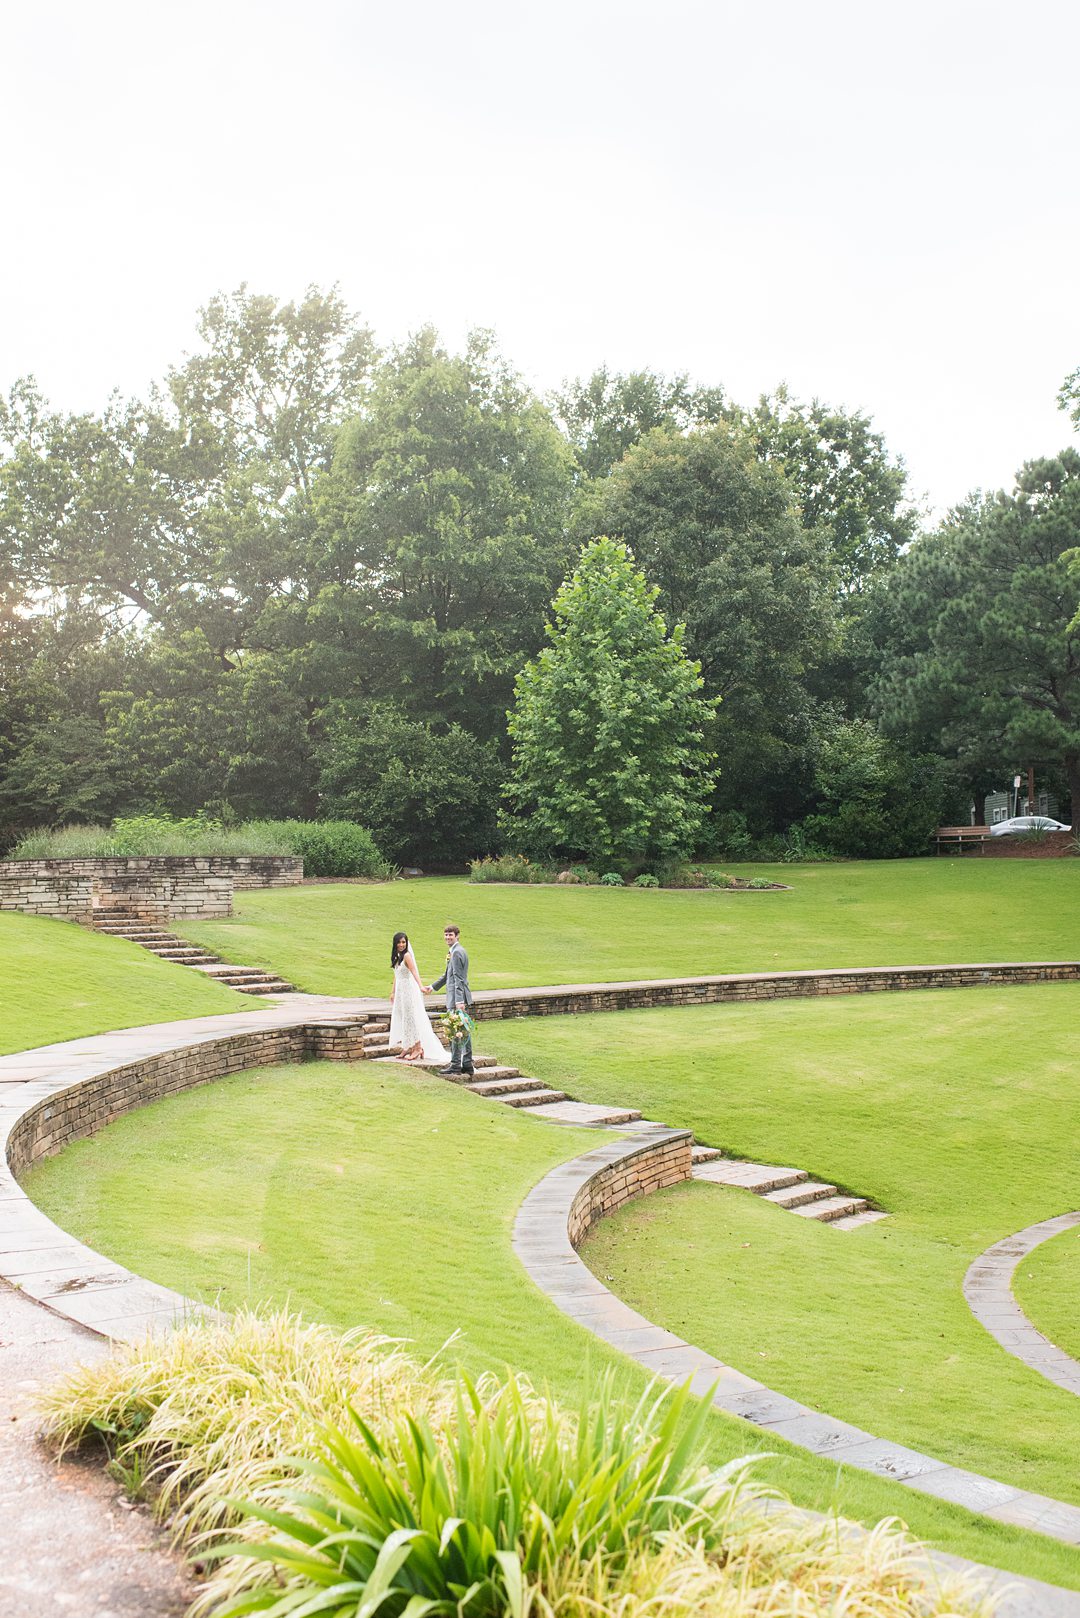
(876, 202)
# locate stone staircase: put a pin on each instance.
(792, 1189)
(152, 936)
(786, 1188)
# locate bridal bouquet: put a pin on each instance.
(457, 1024)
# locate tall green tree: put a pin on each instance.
(719, 533)
(445, 524)
(607, 413)
(847, 485)
(609, 727)
(980, 631)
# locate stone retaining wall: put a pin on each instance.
(572, 999)
(156, 888)
(652, 1166)
(82, 1109)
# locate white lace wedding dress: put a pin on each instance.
(409, 1020)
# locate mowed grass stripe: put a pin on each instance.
(336, 939)
(61, 981)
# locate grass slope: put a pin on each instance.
(365, 1195)
(336, 939)
(61, 981)
(1047, 1286)
(953, 1109)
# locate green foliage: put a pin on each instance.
(609, 730)
(509, 868)
(429, 795)
(468, 1521)
(328, 847)
(646, 880)
(137, 836)
(980, 625)
(606, 414)
(611, 879)
(336, 848)
(877, 802)
(717, 530)
(847, 486)
(444, 524)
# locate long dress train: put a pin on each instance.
(409, 1020)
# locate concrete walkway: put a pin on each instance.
(988, 1290)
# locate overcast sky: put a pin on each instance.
(874, 202)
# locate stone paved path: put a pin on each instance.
(988, 1290)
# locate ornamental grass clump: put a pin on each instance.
(211, 1411)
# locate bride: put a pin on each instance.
(410, 1025)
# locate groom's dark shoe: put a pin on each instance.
(468, 1070)
(450, 1069)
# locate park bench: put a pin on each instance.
(960, 839)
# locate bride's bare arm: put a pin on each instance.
(411, 964)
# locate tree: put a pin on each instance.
(610, 759)
(876, 801)
(843, 478)
(606, 414)
(427, 796)
(1069, 396)
(444, 524)
(980, 631)
(718, 532)
(192, 510)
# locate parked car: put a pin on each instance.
(1022, 823)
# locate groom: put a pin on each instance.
(458, 998)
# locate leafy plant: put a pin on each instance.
(646, 880)
(509, 868)
(611, 879)
(467, 1521)
(336, 848)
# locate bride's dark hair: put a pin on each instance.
(398, 955)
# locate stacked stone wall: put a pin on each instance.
(157, 888)
(560, 1002)
(650, 1168)
(84, 1108)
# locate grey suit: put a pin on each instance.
(458, 996)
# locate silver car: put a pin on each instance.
(1021, 823)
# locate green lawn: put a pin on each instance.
(336, 939)
(364, 1195)
(955, 1110)
(61, 981)
(1047, 1286)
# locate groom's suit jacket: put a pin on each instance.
(456, 978)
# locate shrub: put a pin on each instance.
(509, 868)
(586, 874)
(142, 836)
(720, 879)
(760, 882)
(336, 848)
(430, 794)
(646, 880)
(611, 879)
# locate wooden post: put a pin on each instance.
(1033, 807)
